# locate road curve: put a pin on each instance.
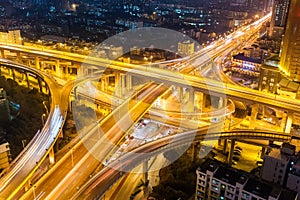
(21, 169)
(101, 182)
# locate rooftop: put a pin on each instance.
(275, 153)
(209, 165)
(229, 175)
(258, 188)
(241, 56)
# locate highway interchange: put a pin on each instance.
(58, 110)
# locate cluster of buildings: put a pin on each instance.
(280, 74)
(97, 20)
(279, 178)
(5, 156)
(274, 59)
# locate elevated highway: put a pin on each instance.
(213, 87)
(62, 180)
(22, 168)
(96, 187)
(175, 78)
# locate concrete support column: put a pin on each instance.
(219, 142)
(58, 69)
(254, 111)
(19, 58)
(263, 152)
(102, 87)
(289, 122)
(145, 171)
(123, 84)
(67, 71)
(201, 101)
(221, 102)
(27, 185)
(180, 94)
(2, 53)
(13, 74)
(286, 122)
(129, 82)
(225, 146)
(118, 84)
(191, 102)
(51, 156)
(230, 154)
(42, 65)
(283, 122)
(27, 80)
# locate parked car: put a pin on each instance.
(239, 148)
(259, 163)
(235, 158)
(236, 153)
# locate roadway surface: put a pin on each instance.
(23, 167)
(76, 167)
(214, 87)
(199, 84)
(101, 182)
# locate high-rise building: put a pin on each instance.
(4, 107)
(5, 156)
(279, 18)
(61, 4)
(290, 50)
(40, 2)
(186, 48)
(217, 181)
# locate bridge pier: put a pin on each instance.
(286, 122)
(37, 63)
(58, 68)
(254, 112)
(118, 84)
(195, 151)
(40, 84)
(230, 154)
(201, 101)
(179, 94)
(27, 185)
(2, 53)
(123, 84)
(145, 171)
(128, 82)
(13, 74)
(104, 82)
(221, 102)
(225, 146)
(51, 156)
(27, 80)
(263, 152)
(191, 101)
(19, 58)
